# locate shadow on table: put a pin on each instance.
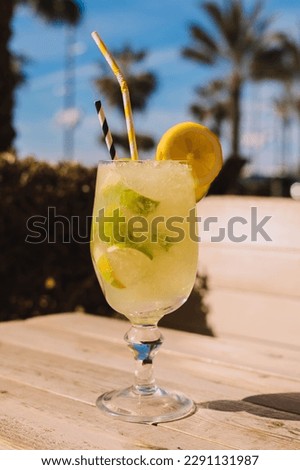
(272, 405)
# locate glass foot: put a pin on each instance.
(157, 407)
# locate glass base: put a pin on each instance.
(157, 407)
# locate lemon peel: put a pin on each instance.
(199, 146)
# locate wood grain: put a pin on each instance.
(255, 284)
(54, 367)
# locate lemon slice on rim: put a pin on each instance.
(197, 145)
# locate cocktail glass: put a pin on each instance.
(146, 262)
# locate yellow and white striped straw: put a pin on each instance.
(125, 94)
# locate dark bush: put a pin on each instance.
(53, 273)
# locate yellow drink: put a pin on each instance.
(141, 247)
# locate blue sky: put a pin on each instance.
(160, 26)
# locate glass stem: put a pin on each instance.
(144, 341)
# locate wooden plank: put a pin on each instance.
(278, 359)
(236, 420)
(211, 427)
(255, 287)
(264, 271)
(283, 227)
(36, 419)
(4, 445)
(262, 266)
(262, 317)
(65, 376)
(195, 372)
(48, 370)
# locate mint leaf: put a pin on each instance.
(137, 203)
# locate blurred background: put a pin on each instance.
(233, 65)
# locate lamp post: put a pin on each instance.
(70, 116)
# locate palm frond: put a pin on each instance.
(201, 36)
(215, 13)
(234, 26)
(68, 11)
(262, 25)
(199, 56)
(215, 87)
(127, 56)
(109, 87)
(141, 85)
(236, 13)
(256, 11)
(277, 58)
(199, 112)
(144, 142)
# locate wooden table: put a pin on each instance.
(53, 368)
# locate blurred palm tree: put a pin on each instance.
(279, 60)
(297, 108)
(283, 109)
(141, 86)
(213, 106)
(237, 34)
(68, 11)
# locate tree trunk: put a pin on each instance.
(284, 141)
(235, 97)
(7, 77)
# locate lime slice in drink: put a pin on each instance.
(111, 228)
(123, 266)
(137, 203)
(127, 198)
(112, 192)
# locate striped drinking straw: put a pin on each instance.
(105, 129)
(125, 94)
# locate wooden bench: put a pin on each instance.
(254, 285)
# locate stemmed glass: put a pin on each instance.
(146, 261)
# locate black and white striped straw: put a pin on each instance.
(105, 129)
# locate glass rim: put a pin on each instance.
(106, 162)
